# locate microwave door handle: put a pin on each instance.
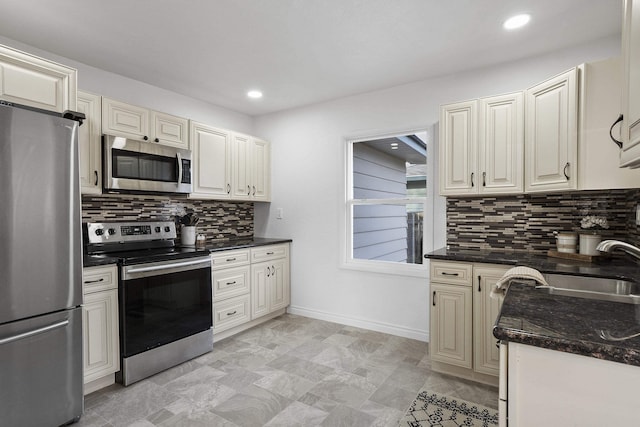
(179, 159)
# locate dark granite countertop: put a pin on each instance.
(569, 324)
(562, 323)
(620, 267)
(212, 246)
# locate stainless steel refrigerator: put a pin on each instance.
(40, 269)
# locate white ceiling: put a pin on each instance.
(297, 52)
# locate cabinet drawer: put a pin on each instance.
(100, 278)
(455, 273)
(269, 252)
(229, 258)
(230, 282)
(231, 312)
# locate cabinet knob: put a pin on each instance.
(156, 140)
(146, 138)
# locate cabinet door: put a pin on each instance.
(261, 171)
(211, 149)
(260, 276)
(29, 80)
(501, 144)
(458, 140)
(451, 325)
(551, 134)
(485, 313)
(241, 167)
(126, 120)
(100, 334)
(90, 142)
(279, 284)
(630, 155)
(169, 130)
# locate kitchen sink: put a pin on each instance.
(599, 288)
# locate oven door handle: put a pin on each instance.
(203, 262)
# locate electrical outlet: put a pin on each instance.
(638, 214)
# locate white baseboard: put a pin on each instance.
(387, 328)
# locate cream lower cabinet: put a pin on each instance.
(270, 286)
(231, 289)
(100, 333)
(250, 286)
(462, 317)
(36, 82)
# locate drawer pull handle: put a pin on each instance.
(479, 281)
(231, 259)
(444, 273)
(231, 283)
(434, 298)
(269, 253)
(94, 281)
(232, 313)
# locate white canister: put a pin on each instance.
(188, 235)
(588, 243)
(567, 242)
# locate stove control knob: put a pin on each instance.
(111, 231)
(167, 229)
(99, 231)
(157, 229)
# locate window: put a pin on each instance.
(387, 203)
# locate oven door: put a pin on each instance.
(131, 165)
(163, 302)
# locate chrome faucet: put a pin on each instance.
(611, 245)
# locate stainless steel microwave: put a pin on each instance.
(145, 167)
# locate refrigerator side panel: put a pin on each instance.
(41, 370)
(40, 226)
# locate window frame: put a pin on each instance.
(377, 266)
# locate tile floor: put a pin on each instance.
(290, 371)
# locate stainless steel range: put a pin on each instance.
(164, 295)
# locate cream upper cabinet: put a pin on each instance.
(482, 146)
(36, 82)
(130, 121)
(211, 167)
(251, 166)
(501, 144)
(89, 143)
(551, 134)
(485, 313)
(458, 148)
(630, 154)
(598, 155)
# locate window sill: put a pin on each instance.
(392, 268)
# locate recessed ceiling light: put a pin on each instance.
(255, 94)
(516, 21)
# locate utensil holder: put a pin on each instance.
(188, 235)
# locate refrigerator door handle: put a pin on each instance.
(34, 332)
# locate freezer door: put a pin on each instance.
(41, 370)
(40, 227)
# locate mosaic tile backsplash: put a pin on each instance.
(218, 220)
(527, 222)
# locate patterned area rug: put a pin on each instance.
(434, 410)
